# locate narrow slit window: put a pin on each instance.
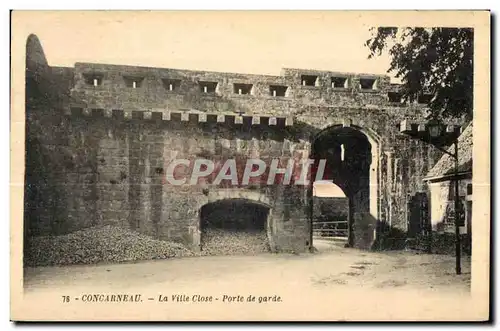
(93, 79)
(309, 80)
(368, 83)
(342, 152)
(133, 82)
(171, 84)
(208, 87)
(278, 90)
(339, 82)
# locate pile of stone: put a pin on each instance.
(233, 242)
(99, 244)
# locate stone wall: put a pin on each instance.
(115, 175)
(96, 154)
(153, 93)
(47, 89)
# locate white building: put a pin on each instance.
(440, 181)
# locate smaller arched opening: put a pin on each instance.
(234, 227)
(330, 212)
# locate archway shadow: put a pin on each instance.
(389, 237)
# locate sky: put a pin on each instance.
(243, 42)
(327, 189)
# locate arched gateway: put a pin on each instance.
(352, 163)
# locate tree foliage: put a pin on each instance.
(435, 61)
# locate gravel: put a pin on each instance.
(109, 244)
(232, 242)
(99, 244)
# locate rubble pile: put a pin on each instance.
(233, 242)
(99, 244)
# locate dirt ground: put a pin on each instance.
(334, 274)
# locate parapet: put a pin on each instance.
(162, 115)
(137, 88)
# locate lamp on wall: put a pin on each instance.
(434, 129)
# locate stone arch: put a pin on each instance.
(223, 198)
(354, 123)
(237, 193)
(364, 199)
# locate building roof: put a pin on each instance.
(445, 167)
